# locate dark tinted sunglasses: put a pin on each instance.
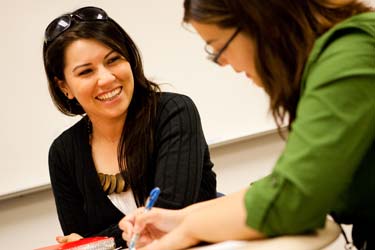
(62, 23)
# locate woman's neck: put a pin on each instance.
(107, 130)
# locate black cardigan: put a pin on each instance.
(183, 170)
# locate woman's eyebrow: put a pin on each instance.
(109, 53)
(87, 64)
(79, 66)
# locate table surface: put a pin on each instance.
(319, 240)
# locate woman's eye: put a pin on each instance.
(113, 59)
(85, 72)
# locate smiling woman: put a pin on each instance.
(29, 122)
(100, 79)
(131, 138)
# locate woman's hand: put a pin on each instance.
(68, 238)
(212, 221)
(151, 225)
(177, 238)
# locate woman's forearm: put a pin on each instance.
(203, 219)
(209, 203)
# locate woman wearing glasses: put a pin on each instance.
(316, 61)
(131, 137)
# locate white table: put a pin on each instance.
(319, 240)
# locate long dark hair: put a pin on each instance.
(136, 145)
(283, 33)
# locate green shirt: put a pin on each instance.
(328, 164)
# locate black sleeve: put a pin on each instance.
(183, 167)
(68, 199)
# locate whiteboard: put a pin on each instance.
(230, 106)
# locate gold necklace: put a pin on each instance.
(112, 183)
(109, 182)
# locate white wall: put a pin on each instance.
(30, 221)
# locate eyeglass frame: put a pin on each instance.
(76, 15)
(214, 56)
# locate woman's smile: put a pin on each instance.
(109, 96)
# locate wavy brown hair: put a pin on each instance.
(283, 32)
(136, 146)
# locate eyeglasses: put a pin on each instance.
(62, 23)
(214, 56)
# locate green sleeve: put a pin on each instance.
(333, 130)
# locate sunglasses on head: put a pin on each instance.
(62, 23)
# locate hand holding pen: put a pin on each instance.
(154, 194)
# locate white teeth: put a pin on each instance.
(110, 95)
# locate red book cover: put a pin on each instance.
(91, 243)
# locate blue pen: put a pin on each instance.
(154, 194)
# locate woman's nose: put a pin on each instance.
(221, 61)
(105, 76)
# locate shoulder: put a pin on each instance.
(357, 28)
(169, 98)
(347, 50)
(169, 102)
(70, 136)
(176, 110)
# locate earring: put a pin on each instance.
(66, 94)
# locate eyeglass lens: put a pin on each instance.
(90, 14)
(58, 26)
(214, 56)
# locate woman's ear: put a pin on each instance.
(64, 88)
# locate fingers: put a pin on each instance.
(74, 237)
(61, 239)
(150, 225)
(143, 219)
(174, 240)
(68, 238)
(127, 229)
(163, 220)
(126, 224)
(144, 239)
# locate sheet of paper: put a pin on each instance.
(226, 245)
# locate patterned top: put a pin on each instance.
(182, 167)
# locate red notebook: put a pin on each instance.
(91, 243)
